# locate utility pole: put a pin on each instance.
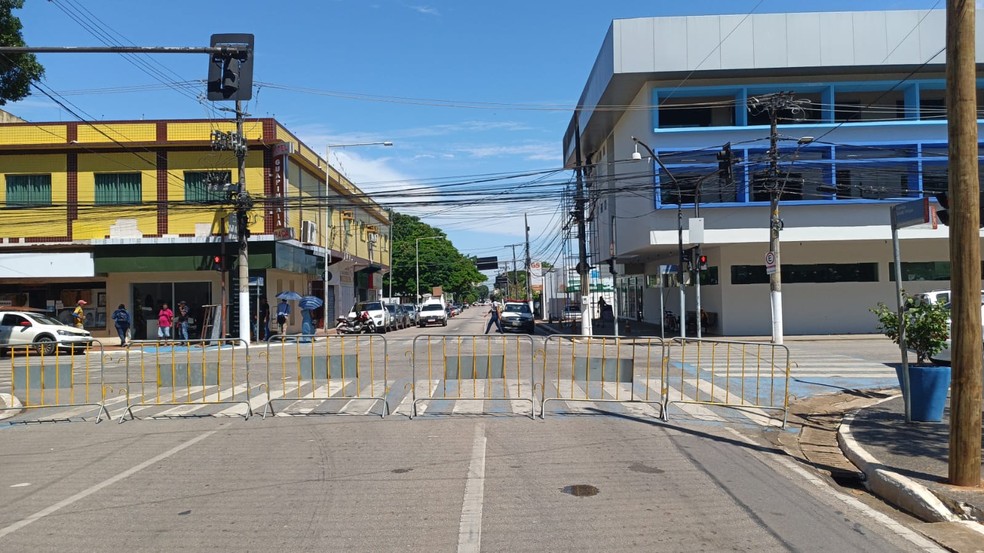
(515, 277)
(774, 103)
(582, 249)
(244, 202)
(965, 258)
(529, 288)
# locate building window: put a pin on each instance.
(817, 273)
(28, 190)
(207, 187)
(711, 111)
(118, 189)
(921, 270)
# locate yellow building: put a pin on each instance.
(140, 213)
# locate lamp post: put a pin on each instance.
(683, 295)
(328, 215)
(416, 250)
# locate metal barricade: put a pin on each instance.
(313, 370)
(603, 369)
(473, 368)
(751, 376)
(213, 371)
(70, 378)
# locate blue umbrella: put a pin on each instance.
(289, 296)
(310, 302)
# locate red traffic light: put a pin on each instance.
(702, 262)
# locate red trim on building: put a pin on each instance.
(72, 193)
(269, 130)
(268, 193)
(161, 132)
(71, 132)
(162, 192)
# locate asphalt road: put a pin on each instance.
(599, 479)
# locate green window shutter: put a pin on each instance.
(28, 190)
(203, 186)
(118, 189)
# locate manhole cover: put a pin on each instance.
(580, 490)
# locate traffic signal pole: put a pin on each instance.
(243, 204)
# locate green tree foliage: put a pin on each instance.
(925, 325)
(17, 71)
(441, 264)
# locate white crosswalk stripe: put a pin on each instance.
(834, 365)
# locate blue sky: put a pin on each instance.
(463, 89)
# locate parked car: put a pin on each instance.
(411, 312)
(517, 317)
(46, 334)
(943, 356)
(380, 315)
(432, 313)
(398, 318)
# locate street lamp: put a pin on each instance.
(328, 214)
(416, 249)
(683, 295)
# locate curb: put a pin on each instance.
(12, 403)
(900, 491)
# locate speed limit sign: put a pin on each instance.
(770, 263)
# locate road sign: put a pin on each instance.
(770, 263)
(487, 263)
(915, 212)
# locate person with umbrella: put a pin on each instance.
(307, 305)
(283, 311)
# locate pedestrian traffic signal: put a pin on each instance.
(702, 262)
(611, 266)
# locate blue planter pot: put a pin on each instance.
(929, 387)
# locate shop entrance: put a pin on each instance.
(147, 298)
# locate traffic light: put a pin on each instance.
(726, 163)
(943, 214)
(702, 262)
(221, 262)
(611, 266)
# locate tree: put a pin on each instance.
(17, 71)
(440, 263)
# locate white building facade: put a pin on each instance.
(872, 133)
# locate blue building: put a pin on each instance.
(869, 131)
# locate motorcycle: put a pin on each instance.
(670, 321)
(355, 325)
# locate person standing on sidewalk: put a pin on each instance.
(493, 316)
(78, 315)
(183, 321)
(165, 317)
(264, 331)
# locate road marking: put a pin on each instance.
(470, 529)
(105, 483)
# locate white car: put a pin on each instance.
(45, 334)
(377, 312)
(432, 313)
(943, 356)
(516, 316)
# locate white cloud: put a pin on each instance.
(426, 10)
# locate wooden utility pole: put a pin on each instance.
(965, 258)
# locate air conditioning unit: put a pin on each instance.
(309, 232)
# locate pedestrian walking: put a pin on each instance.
(493, 316)
(307, 325)
(165, 317)
(122, 320)
(283, 311)
(78, 315)
(183, 320)
(264, 330)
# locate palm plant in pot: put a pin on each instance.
(926, 332)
